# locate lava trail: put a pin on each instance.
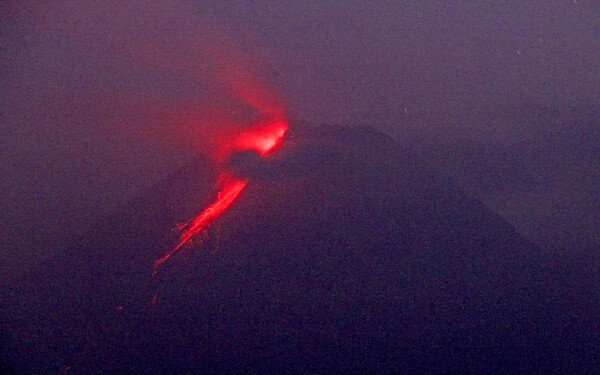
(232, 187)
(262, 138)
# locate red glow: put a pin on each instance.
(262, 137)
(232, 187)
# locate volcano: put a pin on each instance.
(344, 253)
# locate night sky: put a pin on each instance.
(101, 100)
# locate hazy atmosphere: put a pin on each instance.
(100, 100)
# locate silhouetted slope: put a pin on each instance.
(343, 254)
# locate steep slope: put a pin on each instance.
(343, 254)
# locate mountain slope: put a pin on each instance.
(343, 254)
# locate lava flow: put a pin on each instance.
(261, 138)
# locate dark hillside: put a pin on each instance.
(344, 254)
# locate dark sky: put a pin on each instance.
(100, 100)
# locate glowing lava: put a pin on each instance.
(261, 138)
(232, 187)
